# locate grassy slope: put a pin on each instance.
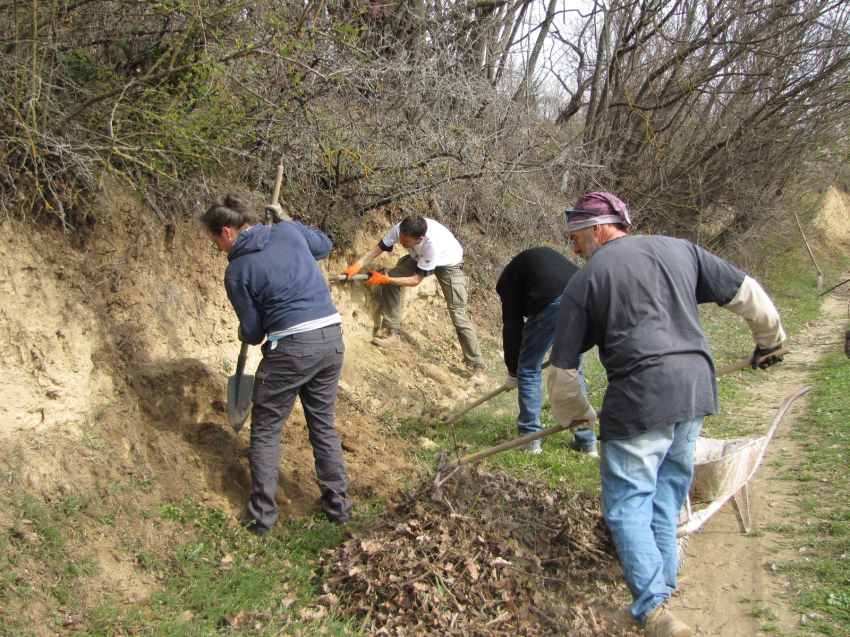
(218, 577)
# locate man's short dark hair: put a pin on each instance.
(414, 226)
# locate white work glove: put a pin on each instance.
(510, 383)
(569, 404)
(277, 213)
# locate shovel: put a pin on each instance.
(240, 387)
(455, 465)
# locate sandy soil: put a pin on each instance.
(118, 340)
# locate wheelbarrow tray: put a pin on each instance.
(722, 471)
(721, 467)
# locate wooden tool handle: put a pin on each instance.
(277, 181)
(475, 404)
(511, 444)
(747, 362)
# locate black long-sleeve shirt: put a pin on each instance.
(530, 283)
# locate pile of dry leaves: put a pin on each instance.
(488, 555)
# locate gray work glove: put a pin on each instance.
(759, 352)
(277, 213)
(510, 383)
(240, 334)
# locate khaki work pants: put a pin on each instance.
(452, 283)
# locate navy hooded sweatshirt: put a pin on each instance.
(273, 280)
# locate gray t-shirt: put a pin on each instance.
(636, 300)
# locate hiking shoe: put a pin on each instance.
(388, 338)
(534, 447)
(662, 623)
(589, 449)
(479, 375)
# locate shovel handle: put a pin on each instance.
(240, 362)
(277, 181)
(243, 352)
(747, 362)
(342, 277)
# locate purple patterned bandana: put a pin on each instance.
(597, 208)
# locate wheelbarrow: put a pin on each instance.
(722, 472)
(451, 467)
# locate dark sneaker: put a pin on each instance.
(847, 343)
(589, 449)
(337, 510)
(250, 524)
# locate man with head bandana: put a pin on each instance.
(636, 299)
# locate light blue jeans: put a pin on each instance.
(538, 334)
(645, 481)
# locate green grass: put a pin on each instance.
(820, 577)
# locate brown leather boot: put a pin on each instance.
(662, 623)
(388, 338)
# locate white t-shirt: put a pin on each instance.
(439, 248)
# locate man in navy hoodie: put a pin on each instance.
(279, 292)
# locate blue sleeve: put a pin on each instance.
(318, 242)
(246, 311)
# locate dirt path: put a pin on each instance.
(728, 584)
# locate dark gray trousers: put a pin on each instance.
(305, 365)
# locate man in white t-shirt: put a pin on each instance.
(431, 249)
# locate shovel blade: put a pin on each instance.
(239, 391)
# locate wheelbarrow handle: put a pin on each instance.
(734, 367)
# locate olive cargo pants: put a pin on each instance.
(452, 283)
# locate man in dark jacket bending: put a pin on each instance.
(530, 287)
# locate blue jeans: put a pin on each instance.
(645, 481)
(538, 334)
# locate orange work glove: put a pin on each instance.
(376, 278)
(351, 271)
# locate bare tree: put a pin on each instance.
(695, 109)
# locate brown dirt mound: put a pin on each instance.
(490, 555)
